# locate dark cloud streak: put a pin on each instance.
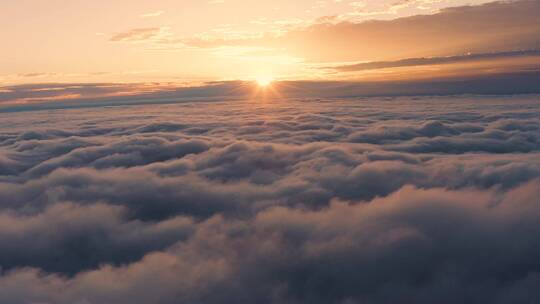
(411, 62)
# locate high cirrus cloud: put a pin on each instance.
(289, 201)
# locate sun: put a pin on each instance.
(265, 87)
(264, 81)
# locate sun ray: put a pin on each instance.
(264, 81)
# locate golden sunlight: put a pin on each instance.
(264, 81)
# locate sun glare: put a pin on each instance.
(264, 81)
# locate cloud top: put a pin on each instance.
(375, 200)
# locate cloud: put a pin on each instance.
(289, 200)
(487, 28)
(68, 238)
(411, 62)
(152, 14)
(88, 95)
(343, 254)
(137, 35)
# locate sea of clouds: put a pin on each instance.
(375, 200)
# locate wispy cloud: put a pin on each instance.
(137, 35)
(152, 14)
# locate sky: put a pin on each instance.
(188, 41)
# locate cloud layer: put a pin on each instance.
(489, 79)
(376, 200)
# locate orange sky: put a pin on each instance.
(193, 41)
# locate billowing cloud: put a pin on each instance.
(375, 200)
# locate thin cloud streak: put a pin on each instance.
(412, 62)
